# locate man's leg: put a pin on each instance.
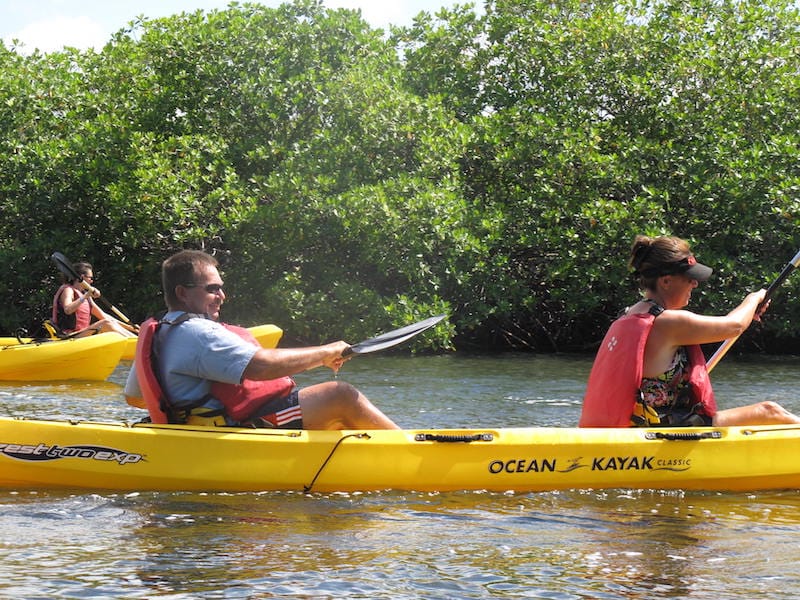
(338, 405)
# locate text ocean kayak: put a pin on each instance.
(89, 455)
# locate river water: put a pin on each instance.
(614, 544)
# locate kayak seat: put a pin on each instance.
(206, 418)
(56, 333)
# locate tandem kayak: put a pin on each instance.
(91, 358)
(90, 455)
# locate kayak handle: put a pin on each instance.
(682, 437)
(444, 437)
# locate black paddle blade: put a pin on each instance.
(392, 338)
(64, 265)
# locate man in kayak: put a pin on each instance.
(205, 368)
(74, 308)
(650, 369)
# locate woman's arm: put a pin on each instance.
(71, 300)
(683, 328)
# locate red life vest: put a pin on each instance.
(154, 398)
(616, 375)
(241, 401)
(80, 319)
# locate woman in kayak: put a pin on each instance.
(74, 310)
(650, 369)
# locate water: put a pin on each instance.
(614, 544)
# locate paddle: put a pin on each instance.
(726, 345)
(392, 338)
(65, 266)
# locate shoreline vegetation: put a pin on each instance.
(353, 180)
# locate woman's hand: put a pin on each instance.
(761, 306)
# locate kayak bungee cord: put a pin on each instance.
(307, 488)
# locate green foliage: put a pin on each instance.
(493, 168)
(603, 120)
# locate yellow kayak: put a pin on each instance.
(267, 335)
(92, 358)
(89, 455)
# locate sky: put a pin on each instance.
(51, 24)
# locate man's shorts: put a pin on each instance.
(281, 413)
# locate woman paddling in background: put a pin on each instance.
(74, 309)
(650, 369)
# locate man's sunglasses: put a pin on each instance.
(211, 288)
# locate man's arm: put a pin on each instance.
(272, 363)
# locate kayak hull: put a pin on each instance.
(51, 454)
(91, 358)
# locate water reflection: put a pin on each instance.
(64, 400)
(579, 544)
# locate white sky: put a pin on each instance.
(51, 24)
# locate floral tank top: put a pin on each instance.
(662, 391)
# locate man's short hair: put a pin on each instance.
(182, 268)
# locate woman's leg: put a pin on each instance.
(111, 325)
(763, 413)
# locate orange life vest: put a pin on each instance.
(154, 398)
(616, 375)
(240, 401)
(80, 319)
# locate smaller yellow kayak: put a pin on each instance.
(267, 335)
(91, 358)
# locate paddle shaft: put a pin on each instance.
(726, 345)
(107, 304)
(66, 268)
